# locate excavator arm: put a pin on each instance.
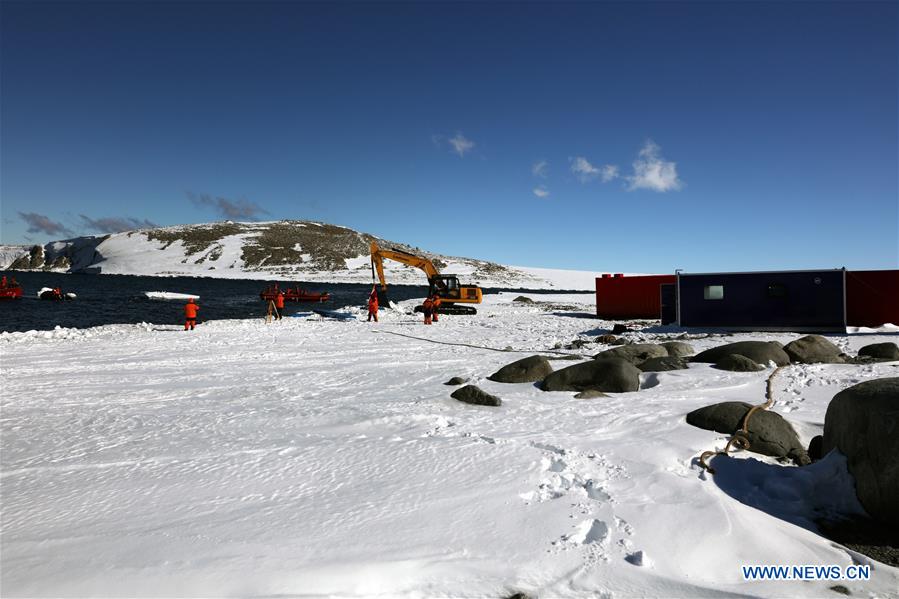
(377, 260)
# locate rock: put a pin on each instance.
(636, 353)
(523, 300)
(526, 370)
(813, 349)
(678, 349)
(838, 588)
(814, 448)
(760, 352)
(577, 344)
(861, 360)
(456, 380)
(738, 363)
(619, 328)
(570, 357)
(881, 351)
(590, 394)
(607, 339)
(614, 375)
(474, 395)
(663, 364)
(863, 423)
(769, 433)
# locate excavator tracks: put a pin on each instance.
(452, 309)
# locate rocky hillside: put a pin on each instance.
(299, 250)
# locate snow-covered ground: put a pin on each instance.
(315, 457)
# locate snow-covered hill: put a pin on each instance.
(304, 250)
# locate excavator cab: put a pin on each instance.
(451, 291)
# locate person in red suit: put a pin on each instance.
(373, 305)
(190, 314)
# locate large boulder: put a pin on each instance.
(663, 364)
(738, 363)
(678, 349)
(614, 375)
(474, 395)
(636, 353)
(769, 433)
(813, 349)
(863, 423)
(526, 370)
(760, 352)
(881, 351)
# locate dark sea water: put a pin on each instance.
(120, 299)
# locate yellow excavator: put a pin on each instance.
(447, 287)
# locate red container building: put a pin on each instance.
(619, 296)
(872, 297)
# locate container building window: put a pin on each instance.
(777, 290)
(713, 292)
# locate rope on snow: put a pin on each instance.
(521, 351)
(740, 438)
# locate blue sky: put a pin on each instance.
(638, 137)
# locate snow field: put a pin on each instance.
(319, 457)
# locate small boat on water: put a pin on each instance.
(55, 294)
(295, 294)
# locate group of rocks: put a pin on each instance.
(618, 370)
(862, 421)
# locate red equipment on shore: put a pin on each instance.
(294, 294)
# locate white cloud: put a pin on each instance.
(652, 172)
(608, 172)
(581, 167)
(541, 192)
(461, 144)
(540, 169)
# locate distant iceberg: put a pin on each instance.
(168, 295)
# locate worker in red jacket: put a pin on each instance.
(427, 307)
(279, 304)
(373, 305)
(190, 314)
(435, 306)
